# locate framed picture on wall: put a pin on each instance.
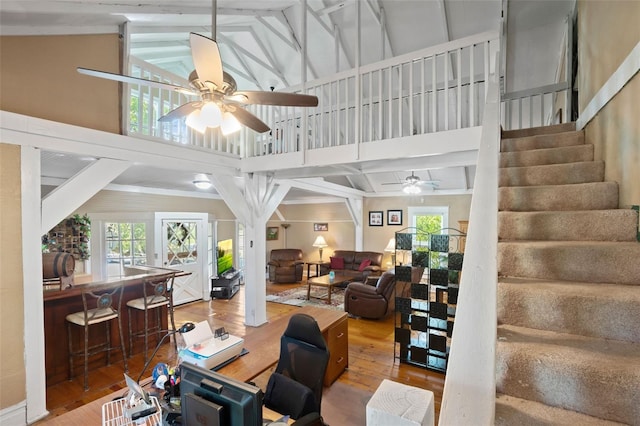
(320, 227)
(376, 218)
(394, 217)
(272, 233)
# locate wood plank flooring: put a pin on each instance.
(370, 361)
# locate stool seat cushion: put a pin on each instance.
(152, 302)
(94, 316)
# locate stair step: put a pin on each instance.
(589, 309)
(542, 130)
(582, 261)
(522, 412)
(554, 140)
(597, 377)
(552, 174)
(587, 225)
(579, 196)
(539, 157)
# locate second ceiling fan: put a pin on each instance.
(220, 103)
(412, 184)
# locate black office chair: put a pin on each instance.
(295, 387)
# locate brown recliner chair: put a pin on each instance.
(285, 266)
(367, 301)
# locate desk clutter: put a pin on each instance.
(207, 349)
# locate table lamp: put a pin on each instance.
(391, 248)
(320, 243)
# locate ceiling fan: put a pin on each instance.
(412, 184)
(220, 103)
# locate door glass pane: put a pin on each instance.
(181, 243)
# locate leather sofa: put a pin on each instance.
(351, 264)
(368, 301)
(285, 265)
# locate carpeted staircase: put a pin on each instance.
(568, 350)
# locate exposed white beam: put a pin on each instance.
(283, 19)
(323, 187)
(236, 46)
(277, 33)
(63, 200)
(243, 62)
(335, 7)
(266, 53)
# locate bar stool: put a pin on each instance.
(158, 292)
(101, 304)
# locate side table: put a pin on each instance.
(318, 264)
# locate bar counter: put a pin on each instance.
(59, 303)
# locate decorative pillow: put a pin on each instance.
(337, 262)
(364, 264)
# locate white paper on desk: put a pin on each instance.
(199, 334)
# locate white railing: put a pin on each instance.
(470, 385)
(545, 105)
(435, 89)
(541, 106)
(147, 104)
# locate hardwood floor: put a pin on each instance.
(370, 361)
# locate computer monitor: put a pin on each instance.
(216, 399)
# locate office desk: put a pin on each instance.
(264, 351)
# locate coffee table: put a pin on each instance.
(325, 281)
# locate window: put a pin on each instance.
(426, 221)
(125, 245)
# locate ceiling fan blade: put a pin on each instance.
(135, 80)
(181, 111)
(274, 98)
(250, 120)
(206, 59)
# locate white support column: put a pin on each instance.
(34, 352)
(254, 208)
(354, 205)
(73, 193)
(263, 198)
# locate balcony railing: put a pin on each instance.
(435, 89)
(540, 106)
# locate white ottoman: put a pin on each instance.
(395, 404)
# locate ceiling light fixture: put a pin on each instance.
(229, 124)
(411, 189)
(202, 181)
(211, 115)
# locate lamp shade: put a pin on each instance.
(320, 242)
(229, 124)
(391, 246)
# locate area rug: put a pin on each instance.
(298, 297)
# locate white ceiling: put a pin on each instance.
(260, 46)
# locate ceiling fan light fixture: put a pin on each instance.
(202, 181)
(211, 115)
(411, 189)
(229, 124)
(193, 121)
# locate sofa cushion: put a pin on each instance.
(364, 264)
(337, 262)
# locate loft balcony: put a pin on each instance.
(425, 105)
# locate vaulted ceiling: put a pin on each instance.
(262, 44)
